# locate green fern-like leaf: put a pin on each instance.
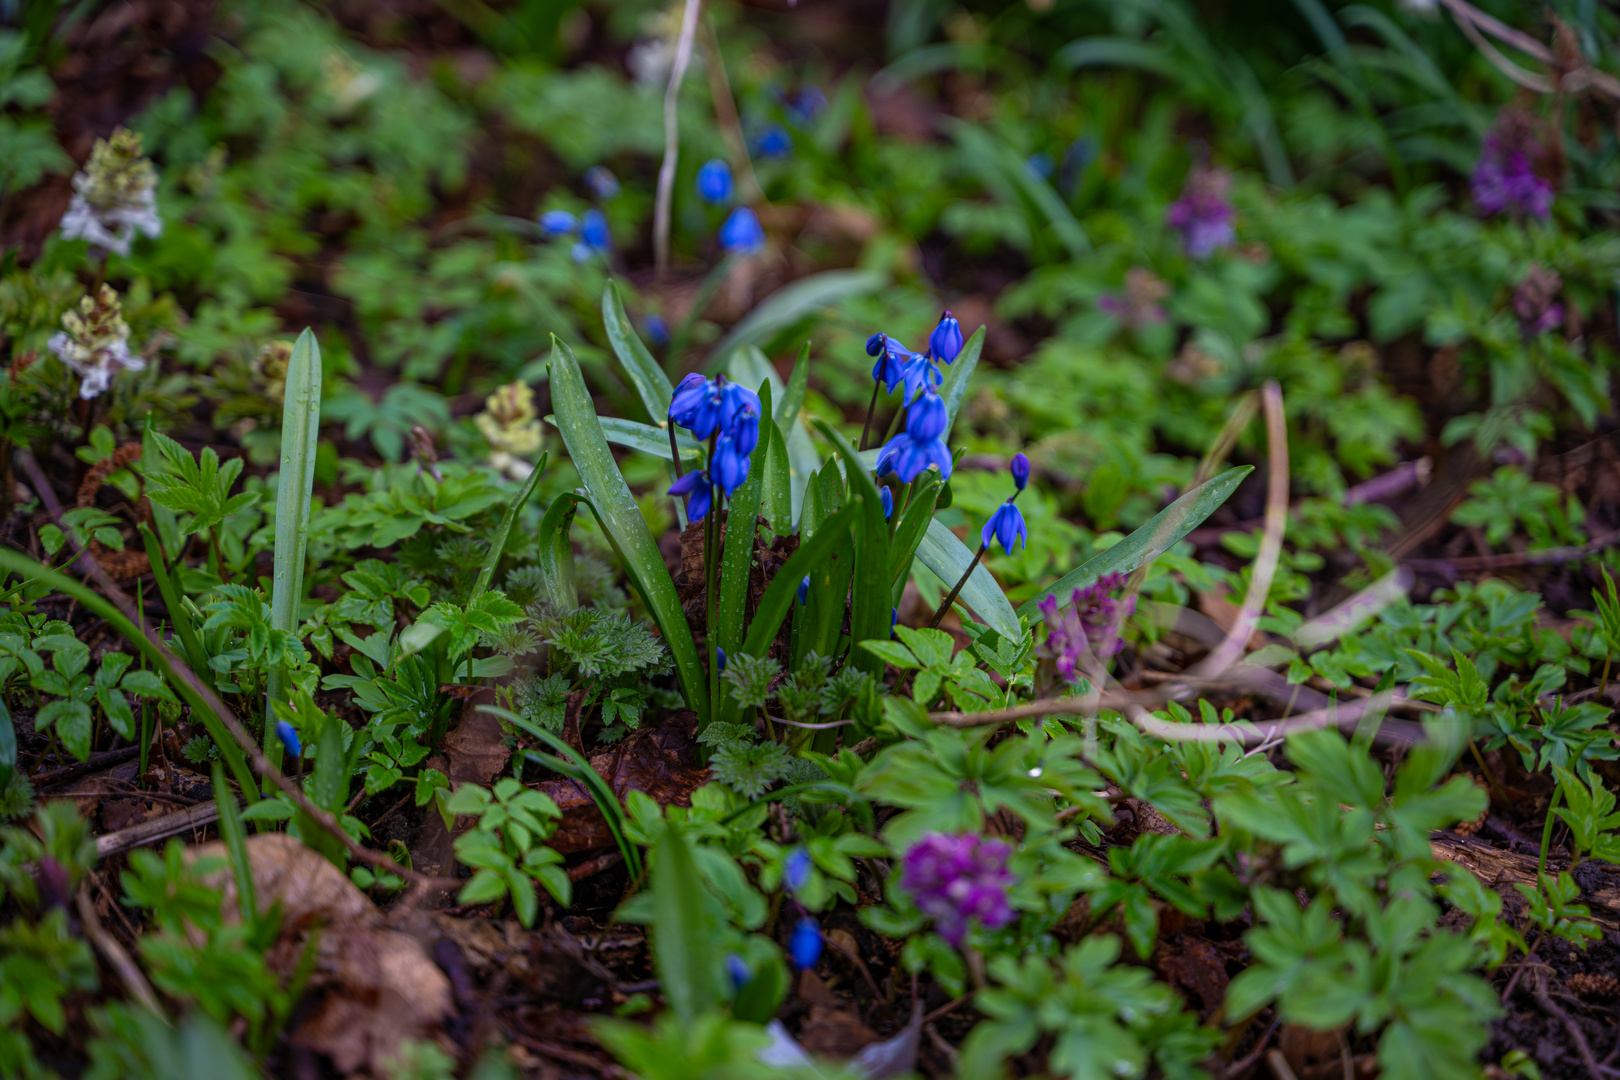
(749, 770)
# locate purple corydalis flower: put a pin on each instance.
(1202, 215)
(1505, 179)
(1535, 303)
(1091, 620)
(957, 879)
(1138, 305)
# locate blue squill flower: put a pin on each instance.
(714, 181)
(908, 457)
(888, 503)
(603, 184)
(1007, 526)
(1040, 165)
(890, 369)
(581, 251)
(803, 108)
(927, 418)
(1019, 467)
(693, 406)
(694, 488)
(558, 223)
(773, 141)
(657, 330)
(796, 869)
(804, 945)
(919, 371)
(894, 619)
(704, 406)
(289, 738)
(804, 590)
(945, 343)
(720, 658)
(593, 230)
(742, 234)
(730, 464)
(737, 972)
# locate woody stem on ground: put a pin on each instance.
(951, 599)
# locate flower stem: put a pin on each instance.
(951, 599)
(1546, 832)
(674, 451)
(871, 407)
(711, 562)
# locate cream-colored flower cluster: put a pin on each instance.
(115, 196)
(512, 426)
(94, 342)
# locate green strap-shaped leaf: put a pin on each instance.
(749, 367)
(1166, 530)
(737, 557)
(784, 587)
(949, 558)
(792, 399)
(870, 614)
(789, 304)
(647, 438)
(503, 534)
(957, 376)
(8, 747)
(820, 624)
(913, 523)
(621, 519)
(686, 950)
(648, 378)
(776, 499)
(300, 429)
(556, 560)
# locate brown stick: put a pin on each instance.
(116, 955)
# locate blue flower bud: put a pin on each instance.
(1019, 467)
(558, 223)
(720, 658)
(927, 417)
(730, 465)
(1006, 525)
(738, 972)
(289, 738)
(593, 230)
(894, 619)
(773, 142)
(694, 487)
(1040, 165)
(804, 945)
(945, 343)
(603, 184)
(742, 233)
(581, 251)
(657, 330)
(874, 344)
(804, 590)
(888, 503)
(714, 181)
(796, 869)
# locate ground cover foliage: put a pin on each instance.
(1033, 539)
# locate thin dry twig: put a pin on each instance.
(1576, 1035)
(672, 137)
(115, 954)
(1265, 561)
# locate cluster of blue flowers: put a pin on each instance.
(922, 443)
(742, 233)
(727, 414)
(590, 229)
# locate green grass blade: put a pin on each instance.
(179, 617)
(234, 832)
(8, 747)
(497, 546)
(1147, 543)
(300, 429)
(948, 558)
(621, 519)
(957, 376)
(556, 562)
(870, 612)
(684, 940)
(784, 587)
(645, 373)
(646, 438)
(792, 399)
(737, 557)
(15, 562)
(749, 367)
